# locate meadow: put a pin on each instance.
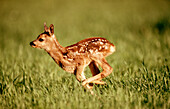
(140, 30)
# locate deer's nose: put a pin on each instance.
(32, 44)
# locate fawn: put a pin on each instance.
(74, 58)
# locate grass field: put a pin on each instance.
(140, 30)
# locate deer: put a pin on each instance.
(75, 58)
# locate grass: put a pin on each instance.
(140, 30)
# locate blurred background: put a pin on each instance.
(140, 30)
(133, 26)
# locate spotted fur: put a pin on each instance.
(73, 59)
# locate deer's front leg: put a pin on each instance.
(107, 69)
(79, 73)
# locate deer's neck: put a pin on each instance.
(56, 51)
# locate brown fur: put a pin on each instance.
(73, 59)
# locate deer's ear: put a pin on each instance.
(52, 29)
(45, 27)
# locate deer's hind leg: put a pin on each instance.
(107, 69)
(95, 70)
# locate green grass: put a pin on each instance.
(140, 30)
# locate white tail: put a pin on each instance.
(73, 59)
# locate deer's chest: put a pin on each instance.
(68, 67)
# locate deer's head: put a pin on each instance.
(46, 39)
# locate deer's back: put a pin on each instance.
(91, 46)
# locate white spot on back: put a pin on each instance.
(91, 51)
(101, 43)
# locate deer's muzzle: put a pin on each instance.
(32, 44)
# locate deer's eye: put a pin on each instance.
(41, 39)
